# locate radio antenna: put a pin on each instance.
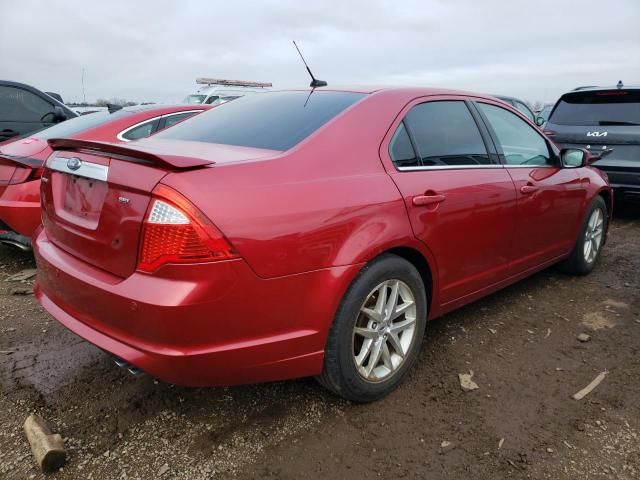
(314, 81)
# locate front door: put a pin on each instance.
(461, 201)
(548, 195)
(22, 112)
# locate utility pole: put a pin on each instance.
(84, 98)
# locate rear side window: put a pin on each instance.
(401, 150)
(520, 142)
(446, 134)
(141, 131)
(611, 107)
(171, 120)
(274, 121)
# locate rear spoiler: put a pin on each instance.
(127, 153)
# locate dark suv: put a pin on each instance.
(24, 109)
(605, 121)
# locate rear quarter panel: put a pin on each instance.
(326, 202)
(595, 182)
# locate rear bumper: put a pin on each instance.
(20, 207)
(196, 325)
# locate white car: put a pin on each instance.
(216, 91)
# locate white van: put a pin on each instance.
(215, 91)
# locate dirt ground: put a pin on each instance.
(521, 423)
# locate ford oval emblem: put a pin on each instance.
(74, 163)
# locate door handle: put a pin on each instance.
(426, 200)
(528, 188)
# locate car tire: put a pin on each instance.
(586, 251)
(370, 319)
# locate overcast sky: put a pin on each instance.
(153, 50)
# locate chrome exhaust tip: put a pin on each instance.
(135, 371)
(21, 246)
(9, 237)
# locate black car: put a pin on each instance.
(24, 109)
(605, 121)
(519, 105)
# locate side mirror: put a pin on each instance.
(55, 95)
(58, 114)
(575, 157)
(539, 121)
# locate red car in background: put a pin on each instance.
(21, 161)
(307, 233)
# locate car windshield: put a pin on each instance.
(274, 121)
(608, 107)
(194, 99)
(79, 124)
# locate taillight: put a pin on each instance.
(175, 231)
(549, 133)
(25, 174)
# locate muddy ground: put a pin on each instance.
(521, 423)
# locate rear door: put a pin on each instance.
(549, 197)
(461, 201)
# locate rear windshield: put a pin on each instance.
(79, 124)
(614, 107)
(274, 121)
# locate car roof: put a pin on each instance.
(599, 89)
(408, 91)
(508, 98)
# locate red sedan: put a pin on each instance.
(21, 161)
(307, 233)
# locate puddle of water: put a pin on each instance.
(47, 362)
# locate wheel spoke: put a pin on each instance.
(364, 351)
(400, 326)
(386, 357)
(372, 314)
(392, 302)
(394, 340)
(400, 309)
(381, 301)
(365, 332)
(587, 250)
(374, 358)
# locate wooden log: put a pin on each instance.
(589, 388)
(47, 448)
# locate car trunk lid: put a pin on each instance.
(95, 195)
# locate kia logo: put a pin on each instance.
(74, 163)
(596, 134)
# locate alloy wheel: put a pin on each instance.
(384, 331)
(593, 235)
